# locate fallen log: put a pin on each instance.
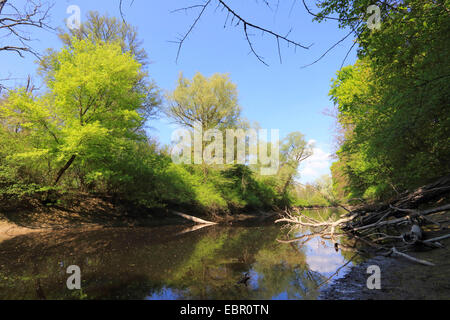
(394, 251)
(368, 223)
(371, 214)
(437, 239)
(424, 212)
(424, 194)
(407, 218)
(192, 218)
(299, 221)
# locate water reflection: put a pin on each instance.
(168, 263)
(322, 257)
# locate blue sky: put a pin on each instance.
(282, 96)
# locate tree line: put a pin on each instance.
(393, 103)
(85, 131)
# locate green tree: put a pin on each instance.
(92, 106)
(210, 102)
(393, 103)
(294, 150)
(101, 28)
(104, 29)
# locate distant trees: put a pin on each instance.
(294, 150)
(85, 130)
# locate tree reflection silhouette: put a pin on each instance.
(158, 263)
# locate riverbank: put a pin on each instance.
(89, 211)
(81, 211)
(10, 230)
(400, 279)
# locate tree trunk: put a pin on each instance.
(194, 219)
(64, 169)
(286, 185)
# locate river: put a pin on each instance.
(173, 262)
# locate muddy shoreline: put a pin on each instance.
(400, 279)
(10, 230)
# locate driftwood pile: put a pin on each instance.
(394, 227)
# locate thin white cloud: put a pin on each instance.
(322, 257)
(316, 166)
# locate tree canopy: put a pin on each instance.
(393, 103)
(211, 102)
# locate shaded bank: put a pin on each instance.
(86, 210)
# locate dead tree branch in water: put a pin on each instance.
(394, 251)
(193, 219)
(373, 226)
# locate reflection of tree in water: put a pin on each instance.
(115, 263)
(160, 262)
(219, 260)
(274, 268)
(283, 269)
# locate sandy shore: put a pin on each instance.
(9, 230)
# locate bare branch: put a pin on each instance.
(121, 10)
(394, 251)
(183, 39)
(277, 36)
(330, 49)
(14, 23)
(236, 20)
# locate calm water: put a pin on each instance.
(172, 262)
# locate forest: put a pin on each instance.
(84, 131)
(86, 182)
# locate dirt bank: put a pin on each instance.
(88, 211)
(9, 230)
(400, 279)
